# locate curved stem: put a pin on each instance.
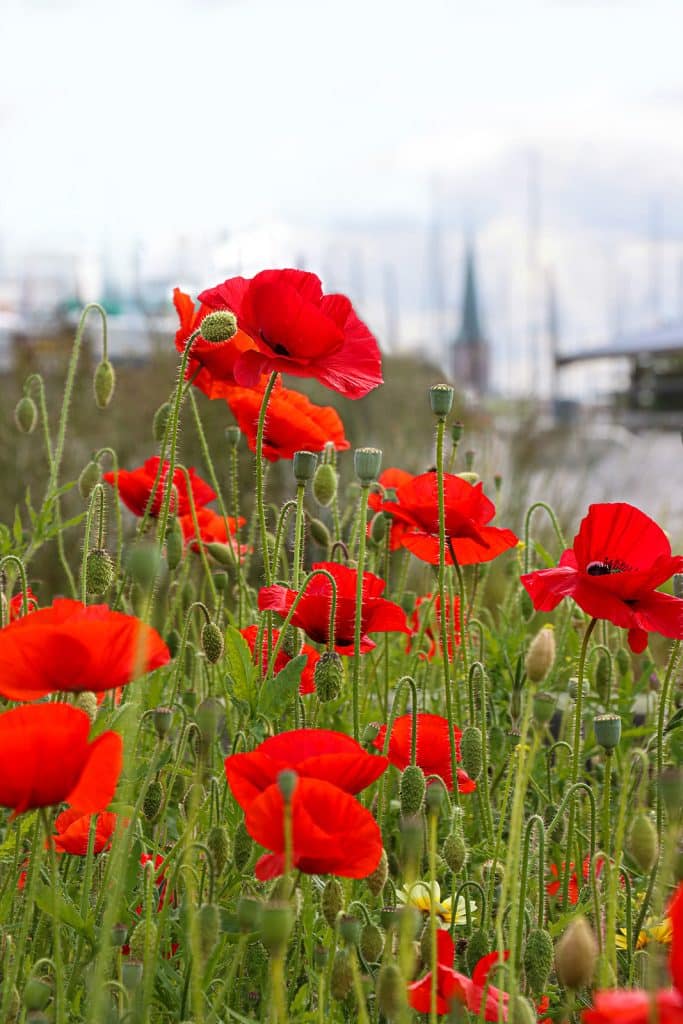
(527, 527)
(362, 520)
(290, 613)
(260, 505)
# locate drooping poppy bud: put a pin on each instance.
(277, 922)
(87, 701)
(218, 843)
(538, 960)
(378, 879)
(390, 990)
(412, 790)
(174, 544)
(642, 842)
(91, 474)
(213, 644)
(26, 415)
(332, 900)
(576, 955)
(319, 533)
(541, 655)
(37, 994)
(154, 798)
(208, 926)
(371, 943)
(341, 978)
(471, 750)
(325, 482)
(242, 846)
(328, 676)
(99, 571)
(478, 945)
(104, 383)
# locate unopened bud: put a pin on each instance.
(87, 701)
(412, 790)
(377, 880)
(341, 978)
(218, 843)
(221, 325)
(643, 844)
(390, 991)
(249, 913)
(524, 1012)
(319, 533)
(277, 922)
(367, 463)
(538, 960)
(471, 751)
(602, 675)
(454, 851)
(303, 466)
(371, 943)
(212, 642)
(478, 946)
(325, 482)
(526, 606)
(99, 571)
(435, 796)
(154, 797)
(328, 676)
(91, 474)
(160, 421)
(142, 940)
(143, 563)
(441, 400)
(349, 929)
(242, 846)
(104, 383)
(544, 705)
(293, 641)
(332, 900)
(576, 955)
(37, 994)
(541, 655)
(378, 527)
(26, 415)
(623, 659)
(208, 926)
(174, 544)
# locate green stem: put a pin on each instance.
(357, 629)
(527, 529)
(260, 503)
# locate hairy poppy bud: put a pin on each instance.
(87, 701)
(249, 913)
(378, 879)
(160, 421)
(99, 571)
(277, 922)
(174, 544)
(390, 990)
(367, 463)
(293, 641)
(303, 466)
(143, 562)
(218, 843)
(212, 642)
(328, 676)
(526, 606)
(538, 960)
(478, 945)
(104, 383)
(576, 955)
(524, 1012)
(471, 751)
(319, 533)
(163, 720)
(154, 797)
(242, 846)
(623, 661)
(541, 655)
(607, 729)
(544, 705)
(325, 482)
(332, 900)
(91, 474)
(142, 939)
(208, 926)
(434, 797)
(341, 978)
(426, 943)
(371, 943)
(602, 675)
(208, 716)
(221, 325)
(26, 415)
(454, 851)
(412, 790)
(349, 929)
(233, 435)
(642, 842)
(441, 400)
(37, 994)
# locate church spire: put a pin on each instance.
(471, 349)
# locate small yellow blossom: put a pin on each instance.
(657, 933)
(418, 895)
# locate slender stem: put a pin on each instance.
(527, 529)
(432, 823)
(260, 490)
(298, 536)
(362, 520)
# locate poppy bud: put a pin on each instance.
(143, 562)
(367, 463)
(193, 801)
(471, 751)
(14, 1006)
(523, 1013)
(526, 606)
(303, 466)
(349, 929)
(332, 900)
(478, 945)
(469, 477)
(602, 674)
(131, 973)
(408, 601)
(37, 994)
(412, 790)
(163, 720)
(377, 880)
(277, 922)
(371, 943)
(378, 527)
(643, 844)
(26, 415)
(212, 642)
(544, 705)
(293, 641)
(426, 943)
(607, 729)
(208, 926)
(325, 482)
(104, 383)
(576, 954)
(91, 474)
(286, 783)
(218, 843)
(142, 940)
(319, 533)
(623, 659)
(249, 913)
(160, 421)
(441, 400)
(454, 851)
(671, 789)
(538, 960)
(221, 325)
(242, 846)
(154, 797)
(99, 571)
(87, 701)
(390, 990)
(434, 797)
(328, 676)
(223, 553)
(370, 734)
(233, 435)
(541, 655)
(341, 978)
(174, 544)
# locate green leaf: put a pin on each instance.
(548, 561)
(53, 903)
(241, 671)
(17, 528)
(675, 722)
(277, 694)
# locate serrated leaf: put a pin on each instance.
(277, 694)
(17, 526)
(241, 670)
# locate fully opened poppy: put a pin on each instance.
(307, 682)
(553, 888)
(312, 614)
(74, 647)
(620, 556)
(16, 604)
(452, 986)
(46, 759)
(433, 748)
(135, 487)
(390, 479)
(468, 511)
(332, 833)
(213, 528)
(293, 423)
(312, 753)
(73, 831)
(452, 625)
(637, 1006)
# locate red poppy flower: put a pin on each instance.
(213, 528)
(553, 888)
(391, 480)
(307, 683)
(213, 364)
(452, 625)
(73, 647)
(135, 487)
(16, 604)
(452, 986)
(293, 422)
(620, 556)
(468, 510)
(298, 330)
(312, 753)
(433, 748)
(313, 611)
(332, 834)
(73, 832)
(46, 759)
(637, 1006)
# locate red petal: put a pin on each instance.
(97, 783)
(676, 954)
(621, 533)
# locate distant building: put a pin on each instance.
(471, 351)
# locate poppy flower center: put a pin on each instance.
(605, 567)
(279, 350)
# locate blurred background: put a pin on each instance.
(498, 187)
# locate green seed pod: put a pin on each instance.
(328, 676)
(277, 921)
(478, 945)
(242, 846)
(142, 939)
(544, 705)
(37, 994)
(377, 880)
(642, 842)
(371, 943)
(303, 466)
(471, 750)
(341, 978)
(454, 851)
(221, 325)
(99, 571)
(319, 533)
(367, 463)
(390, 990)
(349, 929)
(412, 790)
(325, 482)
(143, 563)
(623, 661)
(161, 417)
(441, 400)
(26, 415)
(524, 1013)
(233, 436)
(607, 729)
(378, 527)
(174, 544)
(131, 973)
(332, 900)
(87, 701)
(91, 474)
(212, 642)
(576, 955)
(602, 672)
(208, 717)
(163, 721)
(541, 655)
(208, 926)
(218, 843)
(249, 913)
(154, 798)
(538, 960)
(526, 606)
(104, 383)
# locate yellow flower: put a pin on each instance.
(656, 933)
(418, 895)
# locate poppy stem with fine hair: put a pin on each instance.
(362, 521)
(260, 506)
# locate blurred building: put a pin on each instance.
(471, 350)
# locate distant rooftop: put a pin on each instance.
(662, 340)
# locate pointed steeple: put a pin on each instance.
(470, 329)
(471, 349)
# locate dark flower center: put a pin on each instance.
(605, 567)
(279, 350)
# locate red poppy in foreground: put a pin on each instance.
(313, 611)
(135, 487)
(620, 556)
(298, 330)
(46, 759)
(312, 753)
(433, 748)
(637, 1006)
(74, 647)
(73, 832)
(452, 986)
(307, 683)
(390, 480)
(332, 833)
(293, 423)
(16, 604)
(468, 510)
